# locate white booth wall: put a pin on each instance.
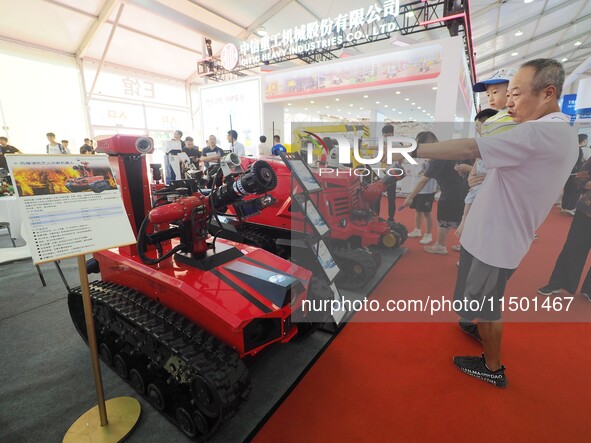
(233, 105)
(583, 107)
(40, 92)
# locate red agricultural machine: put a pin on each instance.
(87, 180)
(177, 313)
(345, 204)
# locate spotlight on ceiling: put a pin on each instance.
(262, 32)
(518, 33)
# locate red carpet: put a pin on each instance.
(396, 381)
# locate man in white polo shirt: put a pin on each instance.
(237, 147)
(527, 168)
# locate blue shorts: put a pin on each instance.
(471, 195)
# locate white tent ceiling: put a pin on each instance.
(166, 36)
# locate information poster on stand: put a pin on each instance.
(70, 205)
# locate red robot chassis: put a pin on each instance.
(176, 313)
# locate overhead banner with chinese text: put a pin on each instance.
(416, 63)
(357, 26)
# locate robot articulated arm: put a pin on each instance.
(373, 191)
(192, 213)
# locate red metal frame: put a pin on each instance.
(201, 296)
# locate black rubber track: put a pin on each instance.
(199, 380)
(256, 237)
(358, 266)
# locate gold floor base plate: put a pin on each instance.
(123, 414)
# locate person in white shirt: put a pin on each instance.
(264, 148)
(237, 147)
(54, 147)
(422, 202)
(527, 167)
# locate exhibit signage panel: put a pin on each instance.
(123, 115)
(129, 85)
(70, 204)
(569, 104)
(466, 86)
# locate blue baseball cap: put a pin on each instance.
(500, 76)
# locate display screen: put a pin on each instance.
(312, 214)
(301, 172)
(326, 260)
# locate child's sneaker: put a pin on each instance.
(427, 238)
(414, 233)
(436, 249)
(548, 290)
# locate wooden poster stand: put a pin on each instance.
(94, 426)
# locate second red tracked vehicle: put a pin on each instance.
(345, 203)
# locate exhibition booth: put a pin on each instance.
(412, 86)
(421, 83)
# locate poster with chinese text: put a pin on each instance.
(70, 205)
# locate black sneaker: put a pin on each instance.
(548, 290)
(587, 296)
(476, 367)
(470, 329)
